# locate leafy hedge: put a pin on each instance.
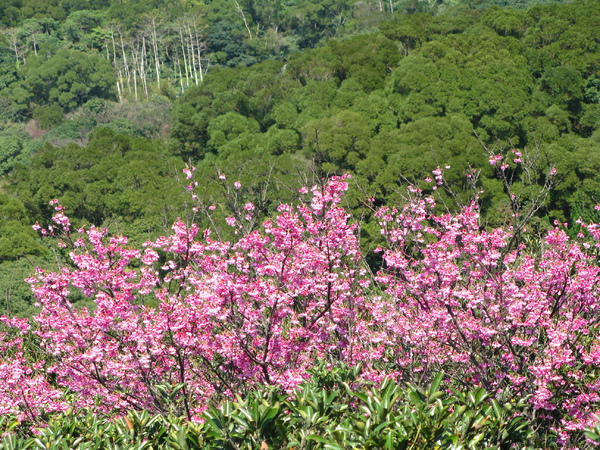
(328, 411)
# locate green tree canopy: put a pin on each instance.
(69, 78)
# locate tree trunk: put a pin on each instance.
(185, 63)
(199, 47)
(117, 68)
(240, 11)
(143, 59)
(192, 54)
(126, 65)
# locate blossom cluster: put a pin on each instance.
(214, 317)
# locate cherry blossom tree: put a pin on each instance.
(209, 317)
(188, 320)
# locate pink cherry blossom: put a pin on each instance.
(217, 317)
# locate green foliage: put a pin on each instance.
(339, 141)
(20, 97)
(12, 12)
(314, 18)
(16, 298)
(327, 411)
(8, 68)
(247, 423)
(84, 26)
(410, 30)
(20, 251)
(405, 416)
(69, 78)
(399, 103)
(84, 430)
(226, 45)
(114, 181)
(49, 116)
(15, 147)
(16, 236)
(225, 92)
(505, 21)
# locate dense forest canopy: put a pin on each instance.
(103, 103)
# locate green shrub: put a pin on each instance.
(328, 411)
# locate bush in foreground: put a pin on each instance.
(324, 412)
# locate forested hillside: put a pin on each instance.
(103, 103)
